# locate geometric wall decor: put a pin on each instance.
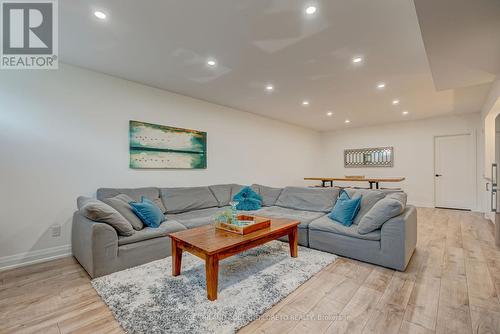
(369, 157)
(158, 146)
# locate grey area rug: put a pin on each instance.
(147, 299)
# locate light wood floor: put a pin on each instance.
(452, 285)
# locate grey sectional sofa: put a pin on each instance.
(100, 250)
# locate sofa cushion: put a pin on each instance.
(178, 200)
(269, 194)
(99, 211)
(222, 193)
(370, 197)
(304, 217)
(236, 188)
(136, 194)
(196, 218)
(147, 233)
(381, 212)
(308, 199)
(325, 224)
(121, 204)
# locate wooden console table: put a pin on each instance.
(372, 181)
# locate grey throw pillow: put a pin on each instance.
(101, 212)
(121, 204)
(136, 194)
(368, 200)
(399, 195)
(381, 212)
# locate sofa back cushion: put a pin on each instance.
(222, 193)
(308, 199)
(368, 200)
(136, 194)
(269, 194)
(236, 188)
(178, 200)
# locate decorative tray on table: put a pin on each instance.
(244, 224)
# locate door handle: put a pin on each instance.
(438, 175)
(493, 200)
(494, 167)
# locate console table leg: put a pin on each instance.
(212, 273)
(176, 259)
(293, 241)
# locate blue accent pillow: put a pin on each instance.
(148, 212)
(248, 199)
(346, 209)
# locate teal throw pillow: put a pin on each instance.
(248, 199)
(148, 212)
(346, 209)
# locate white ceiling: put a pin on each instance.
(165, 43)
(462, 40)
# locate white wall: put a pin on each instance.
(65, 133)
(413, 143)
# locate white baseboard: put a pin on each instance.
(32, 257)
(429, 205)
(421, 205)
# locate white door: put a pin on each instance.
(454, 171)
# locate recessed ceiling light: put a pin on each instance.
(211, 62)
(395, 102)
(405, 112)
(100, 15)
(347, 121)
(311, 10)
(357, 60)
(381, 85)
(305, 103)
(329, 113)
(269, 88)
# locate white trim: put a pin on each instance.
(421, 204)
(32, 257)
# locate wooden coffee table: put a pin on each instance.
(212, 245)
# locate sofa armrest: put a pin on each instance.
(399, 236)
(94, 244)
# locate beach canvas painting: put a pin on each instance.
(159, 146)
